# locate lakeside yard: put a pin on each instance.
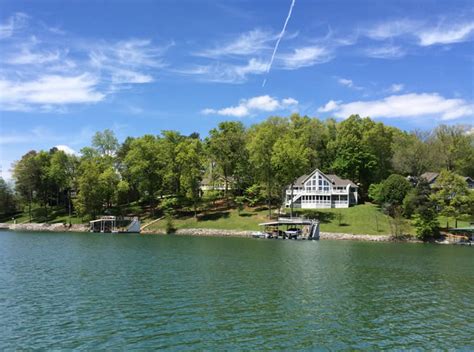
(361, 219)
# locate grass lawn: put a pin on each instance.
(362, 219)
(55, 215)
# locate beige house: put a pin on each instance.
(318, 190)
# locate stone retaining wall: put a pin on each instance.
(204, 232)
(348, 236)
(46, 227)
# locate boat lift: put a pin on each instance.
(296, 228)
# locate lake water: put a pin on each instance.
(93, 291)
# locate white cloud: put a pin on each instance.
(43, 74)
(396, 87)
(248, 43)
(121, 76)
(49, 90)
(66, 149)
(346, 82)
(331, 105)
(27, 57)
(385, 52)
(404, 106)
(426, 34)
(304, 57)
(446, 34)
(12, 24)
(246, 107)
(226, 73)
(390, 29)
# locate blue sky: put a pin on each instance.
(68, 69)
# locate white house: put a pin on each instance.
(318, 190)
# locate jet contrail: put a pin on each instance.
(278, 41)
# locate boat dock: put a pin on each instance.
(296, 228)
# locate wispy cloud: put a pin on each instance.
(349, 83)
(393, 28)
(388, 51)
(48, 90)
(225, 72)
(248, 43)
(413, 105)
(12, 24)
(304, 57)
(396, 87)
(247, 107)
(42, 73)
(424, 33)
(446, 34)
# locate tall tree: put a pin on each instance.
(26, 172)
(354, 158)
(290, 160)
(455, 149)
(262, 138)
(226, 147)
(105, 142)
(145, 163)
(452, 195)
(190, 157)
(7, 199)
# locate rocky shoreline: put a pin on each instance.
(41, 227)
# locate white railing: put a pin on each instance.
(315, 192)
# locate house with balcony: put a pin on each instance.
(318, 190)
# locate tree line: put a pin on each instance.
(257, 162)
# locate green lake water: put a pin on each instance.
(96, 291)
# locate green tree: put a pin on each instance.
(353, 156)
(26, 172)
(411, 155)
(454, 149)
(226, 147)
(105, 142)
(452, 195)
(190, 158)
(261, 140)
(290, 161)
(172, 171)
(7, 199)
(394, 189)
(89, 200)
(145, 164)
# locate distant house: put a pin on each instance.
(216, 183)
(431, 177)
(318, 190)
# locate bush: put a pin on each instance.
(169, 223)
(426, 227)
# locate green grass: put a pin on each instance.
(222, 220)
(55, 215)
(361, 219)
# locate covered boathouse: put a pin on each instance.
(114, 224)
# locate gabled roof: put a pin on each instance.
(430, 176)
(334, 179)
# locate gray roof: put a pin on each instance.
(336, 180)
(430, 176)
